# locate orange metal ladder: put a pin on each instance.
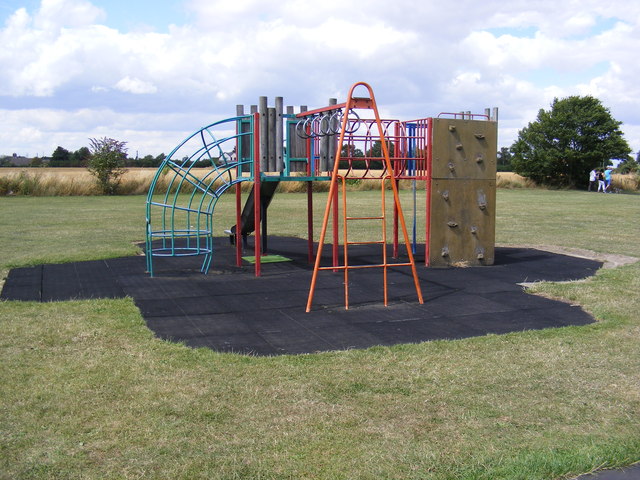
(362, 103)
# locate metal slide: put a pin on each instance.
(247, 219)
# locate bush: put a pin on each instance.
(106, 163)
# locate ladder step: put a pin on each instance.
(380, 242)
(354, 267)
(365, 218)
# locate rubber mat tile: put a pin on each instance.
(500, 323)
(23, 284)
(479, 284)
(162, 307)
(563, 315)
(273, 323)
(358, 314)
(82, 280)
(141, 288)
(430, 295)
(447, 328)
(235, 304)
(416, 331)
(432, 291)
(520, 300)
(182, 289)
(134, 265)
(509, 255)
(91, 268)
(91, 290)
(347, 337)
(469, 279)
(25, 275)
(297, 340)
(254, 286)
(22, 293)
(175, 329)
(219, 324)
(560, 272)
(59, 282)
(324, 318)
(465, 304)
(388, 333)
(198, 305)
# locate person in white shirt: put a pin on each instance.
(593, 179)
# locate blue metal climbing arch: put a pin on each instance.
(181, 201)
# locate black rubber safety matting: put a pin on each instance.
(232, 310)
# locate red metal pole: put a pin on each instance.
(336, 218)
(310, 220)
(395, 207)
(237, 233)
(428, 186)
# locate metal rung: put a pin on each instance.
(364, 218)
(354, 267)
(373, 242)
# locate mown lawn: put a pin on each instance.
(87, 391)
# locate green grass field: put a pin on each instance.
(88, 392)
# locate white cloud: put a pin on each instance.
(135, 85)
(421, 58)
(54, 14)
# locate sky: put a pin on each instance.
(152, 72)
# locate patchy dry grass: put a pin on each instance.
(78, 181)
(88, 392)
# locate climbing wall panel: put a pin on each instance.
(463, 193)
(463, 222)
(464, 149)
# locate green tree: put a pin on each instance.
(504, 159)
(80, 158)
(375, 152)
(376, 149)
(348, 153)
(628, 166)
(565, 143)
(60, 157)
(106, 163)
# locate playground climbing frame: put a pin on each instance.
(451, 158)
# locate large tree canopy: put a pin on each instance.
(565, 143)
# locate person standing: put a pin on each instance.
(601, 181)
(607, 179)
(593, 180)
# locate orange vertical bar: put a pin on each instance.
(346, 243)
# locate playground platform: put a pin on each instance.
(232, 310)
